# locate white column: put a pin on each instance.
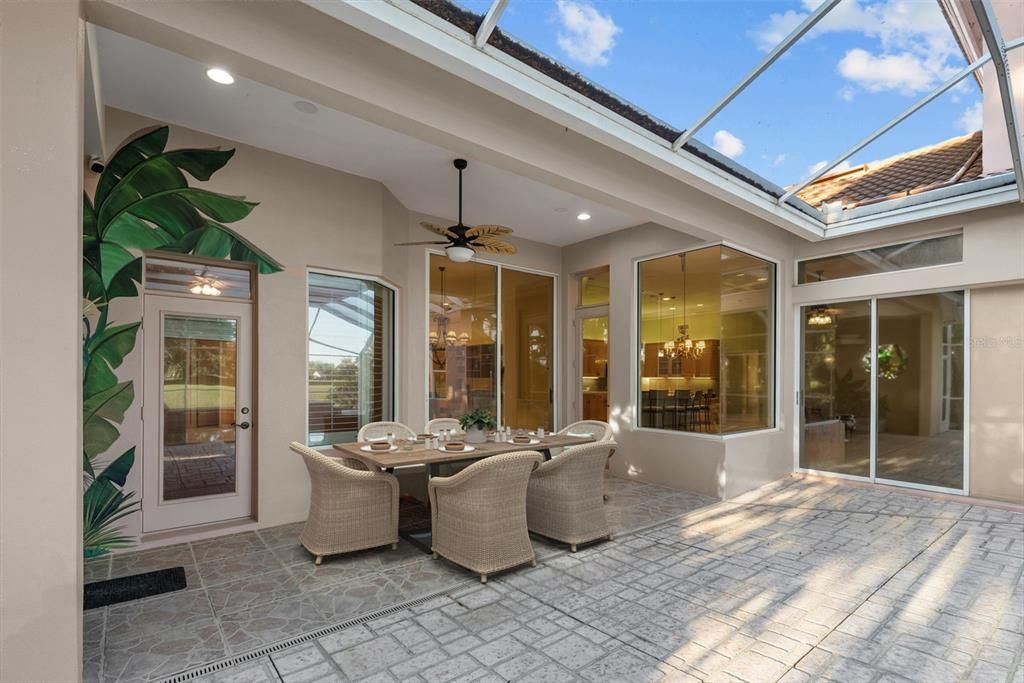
(40, 347)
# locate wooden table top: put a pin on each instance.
(420, 455)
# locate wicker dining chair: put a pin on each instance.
(565, 501)
(479, 514)
(349, 509)
(599, 430)
(438, 423)
(376, 431)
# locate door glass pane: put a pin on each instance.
(527, 348)
(837, 388)
(920, 389)
(463, 330)
(199, 371)
(351, 351)
(594, 365)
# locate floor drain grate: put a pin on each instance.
(280, 645)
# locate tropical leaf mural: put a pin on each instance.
(142, 201)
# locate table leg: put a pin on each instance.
(546, 452)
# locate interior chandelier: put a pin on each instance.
(683, 346)
(820, 317)
(441, 337)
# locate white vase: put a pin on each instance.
(476, 435)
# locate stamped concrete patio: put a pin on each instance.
(256, 588)
(802, 580)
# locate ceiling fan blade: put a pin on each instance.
(414, 244)
(482, 230)
(443, 232)
(494, 246)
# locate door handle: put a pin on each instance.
(240, 425)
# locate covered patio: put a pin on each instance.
(512, 340)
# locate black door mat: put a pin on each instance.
(134, 587)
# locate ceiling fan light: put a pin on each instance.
(459, 254)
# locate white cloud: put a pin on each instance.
(846, 93)
(728, 144)
(587, 36)
(814, 168)
(903, 72)
(779, 25)
(971, 119)
(917, 48)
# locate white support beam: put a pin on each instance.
(806, 25)
(959, 76)
(994, 40)
(490, 22)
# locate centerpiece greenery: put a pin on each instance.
(142, 201)
(476, 423)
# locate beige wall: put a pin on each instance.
(40, 346)
(312, 217)
(711, 465)
(997, 393)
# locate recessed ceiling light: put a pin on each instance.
(221, 76)
(671, 308)
(306, 107)
(762, 279)
(700, 305)
(583, 216)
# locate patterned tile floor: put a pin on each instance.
(251, 589)
(802, 580)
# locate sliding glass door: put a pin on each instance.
(899, 419)
(491, 342)
(836, 391)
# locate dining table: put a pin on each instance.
(410, 454)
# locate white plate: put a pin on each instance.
(465, 449)
(370, 450)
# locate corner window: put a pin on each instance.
(351, 356)
(707, 342)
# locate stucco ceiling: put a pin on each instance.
(141, 78)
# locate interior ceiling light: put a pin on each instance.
(583, 216)
(218, 75)
(820, 317)
(306, 107)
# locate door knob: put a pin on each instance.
(241, 425)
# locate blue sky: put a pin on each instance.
(865, 63)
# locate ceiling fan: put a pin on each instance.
(463, 242)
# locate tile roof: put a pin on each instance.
(946, 163)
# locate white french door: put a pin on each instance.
(197, 411)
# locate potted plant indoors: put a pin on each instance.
(476, 423)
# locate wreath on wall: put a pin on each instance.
(142, 201)
(892, 361)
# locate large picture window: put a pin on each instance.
(351, 356)
(472, 365)
(707, 347)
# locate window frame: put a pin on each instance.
(556, 317)
(776, 352)
(395, 338)
(881, 245)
